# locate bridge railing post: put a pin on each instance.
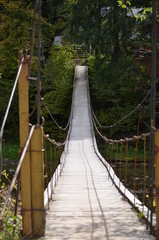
(37, 175)
(157, 181)
(24, 132)
(32, 170)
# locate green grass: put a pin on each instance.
(10, 151)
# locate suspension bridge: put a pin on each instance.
(83, 199)
(85, 204)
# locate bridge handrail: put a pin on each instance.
(61, 128)
(48, 191)
(7, 111)
(125, 117)
(46, 136)
(131, 198)
(127, 139)
(16, 173)
(53, 142)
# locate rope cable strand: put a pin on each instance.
(46, 171)
(53, 142)
(61, 128)
(100, 134)
(46, 136)
(8, 108)
(130, 139)
(125, 117)
(144, 191)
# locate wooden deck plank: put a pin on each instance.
(86, 205)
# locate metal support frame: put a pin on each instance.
(39, 63)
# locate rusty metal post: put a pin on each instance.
(24, 132)
(37, 176)
(157, 181)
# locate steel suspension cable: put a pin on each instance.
(58, 160)
(144, 191)
(98, 130)
(7, 111)
(125, 117)
(55, 157)
(111, 155)
(135, 161)
(61, 128)
(53, 142)
(39, 64)
(136, 149)
(121, 150)
(107, 152)
(46, 167)
(32, 35)
(126, 167)
(118, 141)
(51, 172)
(116, 155)
(17, 172)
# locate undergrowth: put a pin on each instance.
(11, 227)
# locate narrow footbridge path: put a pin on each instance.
(86, 205)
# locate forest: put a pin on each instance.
(116, 36)
(112, 37)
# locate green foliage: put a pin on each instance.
(103, 25)
(12, 223)
(56, 12)
(116, 89)
(15, 19)
(7, 234)
(15, 28)
(15, 34)
(57, 84)
(10, 151)
(124, 4)
(142, 16)
(134, 3)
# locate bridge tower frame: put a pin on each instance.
(32, 170)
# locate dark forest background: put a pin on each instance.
(114, 35)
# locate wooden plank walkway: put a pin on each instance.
(85, 203)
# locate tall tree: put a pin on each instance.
(102, 24)
(15, 27)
